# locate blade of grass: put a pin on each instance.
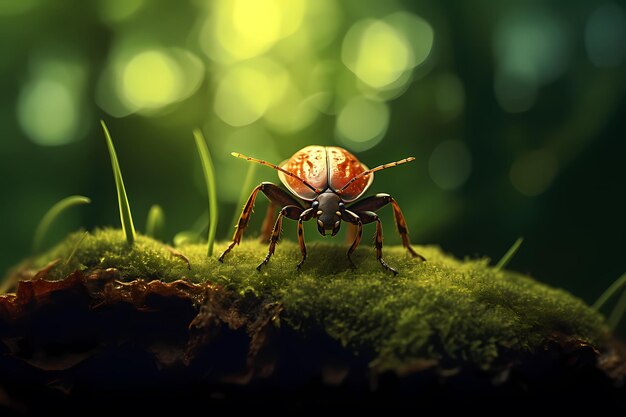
(608, 293)
(618, 312)
(78, 243)
(126, 217)
(245, 192)
(155, 224)
(504, 261)
(209, 177)
(52, 214)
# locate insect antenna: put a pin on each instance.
(378, 168)
(277, 168)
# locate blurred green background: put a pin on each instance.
(514, 110)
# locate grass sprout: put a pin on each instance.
(609, 292)
(155, 223)
(126, 217)
(52, 214)
(504, 261)
(209, 177)
(78, 243)
(618, 312)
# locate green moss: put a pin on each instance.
(444, 309)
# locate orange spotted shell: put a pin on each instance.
(325, 167)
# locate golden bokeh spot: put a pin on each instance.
(381, 52)
(256, 24)
(243, 95)
(418, 33)
(376, 53)
(362, 123)
(242, 29)
(192, 69)
(291, 114)
(150, 80)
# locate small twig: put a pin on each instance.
(179, 255)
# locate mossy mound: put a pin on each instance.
(444, 309)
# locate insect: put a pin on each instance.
(328, 180)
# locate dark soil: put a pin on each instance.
(94, 345)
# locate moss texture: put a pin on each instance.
(444, 309)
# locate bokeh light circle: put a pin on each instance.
(605, 35)
(362, 123)
(146, 78)
(242, 29)
(48, 112)
(380, 52)
(532, 46)
(243, 96)
(450, 164)
(119, 10)
(151, 79)
(291, 113)
(419, 34)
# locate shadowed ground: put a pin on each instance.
(112, 319)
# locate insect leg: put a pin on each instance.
(370, 217)
(378, 242)
(351, 230)
(377, 202)
(291, 212)
(354, 219)
(305, 216)
(268, 222)
(275, 194)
